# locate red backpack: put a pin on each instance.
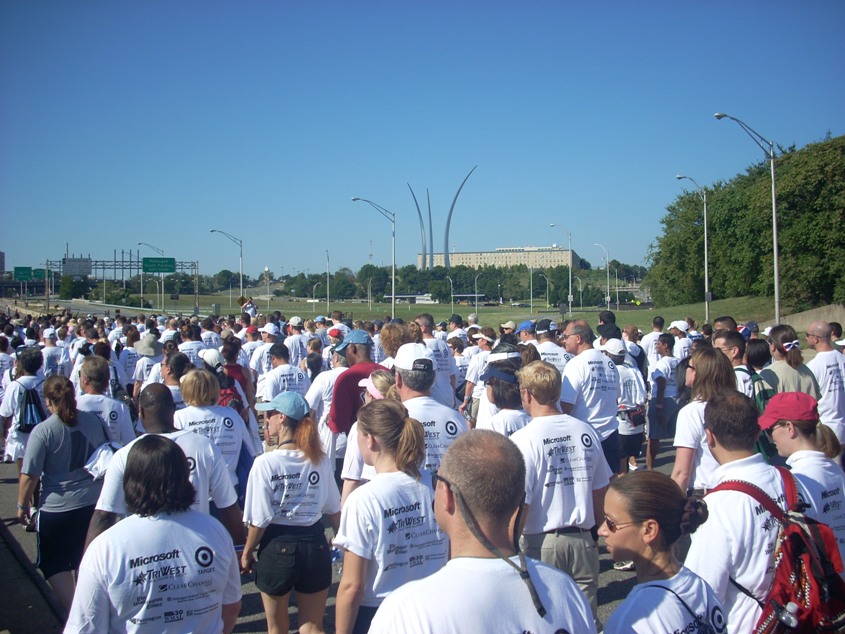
(807, 594)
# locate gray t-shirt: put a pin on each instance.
(57, 454)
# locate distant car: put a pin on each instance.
(519, 305)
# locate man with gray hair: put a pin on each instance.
(829, 368)
(415, 376)
(478, 495)
(94, 377)
(445, 383)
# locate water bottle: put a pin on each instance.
(787, 616)
(337, 563)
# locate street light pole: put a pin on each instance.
(768, 148)
(267, 277)
(616, 273)
(571, 260)
(314, 291)
(476, 293)
(707, 298)
(531, 288)
(580, 294)
(451, 293)
(391, 216)
(240, 244)
(547, 288)
(607, 267)
(328, 287)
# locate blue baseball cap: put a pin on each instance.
(358, 337)
(288, 403)
(525, 325)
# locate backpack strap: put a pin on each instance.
(684, 603)
(755, 492)
(793, 501)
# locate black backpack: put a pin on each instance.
(30, 409)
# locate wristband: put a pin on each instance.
(22, 507)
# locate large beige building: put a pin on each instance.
(532, 257)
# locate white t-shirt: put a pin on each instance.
(56, 361)
(591, 385)
(260, 362)
(283, 378)
(564, 464)
(457, 332)
(441, 425)
(461, 364)
(249, 347)
(211, 339)
(744, 383)
(552, 353)
(191, 349)
(15, 440)
(689, 433)
(297, 347)
(738, 540)
(319, 398)
(285, 488)
(143, 367)
(824, 482)
(649, 344)
(505, 421)
(390, 522)
(649, 608)
(477, 366)
(829, 370)
(632, 395)
(112, 413)
(471, 594)
(445, 367)
(221, 425)
(128, 359)
(682, 347)
(208, 475)
(354, 467)
(665, 368)
(164, 573)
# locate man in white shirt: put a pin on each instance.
(209, 474)
(649, 342)
(456, 328)
(565, 481)
(94, 376)
(678, 329)
(525, 333)
(546, 345)
(828, 366)
(260, 362)
(663, 404)
(590, 388)
(478, 523)
(446, 369)
(297, 342)
(284, 377)
(56, 359)
(210, 338)
(477, 364)
(737, 542)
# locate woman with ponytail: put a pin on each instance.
(289, 490)
(787, 373)
(645, 513)
(387, 527)
(55, 457)
(813, 452)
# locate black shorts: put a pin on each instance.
(610, 447)
(293, 558)
(631, 445)
(61, 539)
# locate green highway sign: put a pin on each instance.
(39, 274)
(159, 265)
(23, 273)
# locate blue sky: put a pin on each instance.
(123, 122)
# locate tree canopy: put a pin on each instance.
(811, 215)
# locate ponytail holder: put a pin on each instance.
(791, 345)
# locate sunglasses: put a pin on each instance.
(613, 526)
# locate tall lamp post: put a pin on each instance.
(580, 294)
(569, 234)
(451, 292)
(607, 267)
(267, 277)
(531, 288)
(476, 293)
(547, 288)
(768, 148)
(328, 287)
(240, 244)
(391, 216)
(707, 297)
(314, 291)
(160, 275)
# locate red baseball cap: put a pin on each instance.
(789, 406)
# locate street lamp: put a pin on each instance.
(267, 277)
(240, 244)
(328, 287)
(314, 291)
(476, 293)
(580, 294)
(161, 275)
(707, 298)
(568, 233)
(768, 148)
(607, 267)
(499, 286)
(616, 273)
(547, 289)
(451, 293)
(391, 216)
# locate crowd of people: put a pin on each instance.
(469, 473)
